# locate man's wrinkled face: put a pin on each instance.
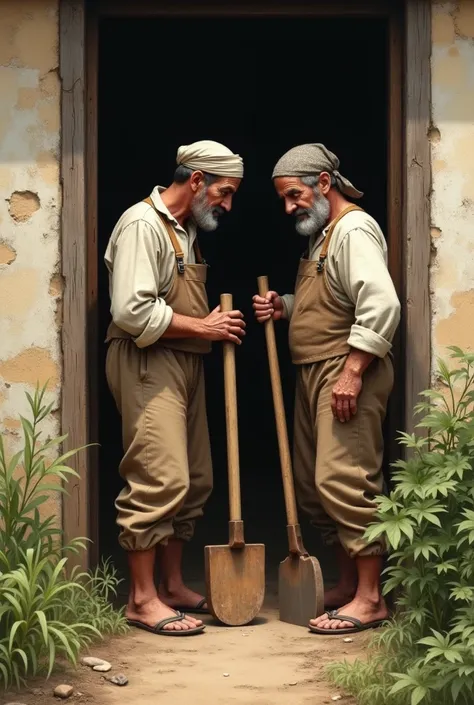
(306, 203)
(213, 200)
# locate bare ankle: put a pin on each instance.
(374, 599)
(347, 586)
(140, 599)
(171, 586)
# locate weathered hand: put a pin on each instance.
(270, 306)
(224, 325)
(345, 394)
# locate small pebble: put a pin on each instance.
(91, 661)
(119, 679)
(97, 664)
(348, 640)
(294, 683)
(63, 691)
(336, 697)
(226, 675)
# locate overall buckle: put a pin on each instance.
(180, 263)
(320, 265)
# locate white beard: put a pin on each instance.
(313, 219)
(206, 217)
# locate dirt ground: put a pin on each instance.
(266, 663)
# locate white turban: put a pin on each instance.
(211, 157)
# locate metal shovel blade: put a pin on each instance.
(300, 589)
(236, 582)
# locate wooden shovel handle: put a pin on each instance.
(230, 387)
(280, 418)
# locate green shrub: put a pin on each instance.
(44, 613)
(426, 653)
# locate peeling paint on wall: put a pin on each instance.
(30, 285)
(7, 254)
(23, 204)
(452, 280)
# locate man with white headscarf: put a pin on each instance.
(161, 327)
(343, 316)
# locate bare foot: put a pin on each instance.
(153, 611)
(362, 609)
(180, 596)
(338, 595)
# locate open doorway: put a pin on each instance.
(260, 86)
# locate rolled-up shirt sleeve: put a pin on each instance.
(367, 283)
(136, 306)
(288, 301)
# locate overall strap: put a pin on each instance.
(324, 251)
(179, 254)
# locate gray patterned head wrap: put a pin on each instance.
(311, 160)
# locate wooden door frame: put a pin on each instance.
(408, 205)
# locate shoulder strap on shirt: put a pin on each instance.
(324, 250)
(179, 254)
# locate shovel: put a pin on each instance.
(235, 573)
(300, 581)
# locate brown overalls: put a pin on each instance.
(159, 392)
(338, 466)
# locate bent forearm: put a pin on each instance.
(358, 361)
(184, 327)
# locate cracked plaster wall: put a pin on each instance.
(30, 287)
(30, 284)
(452, 141)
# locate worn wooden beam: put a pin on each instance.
(395, 418)
(92, 151)
(74, 408)
(244, 8)
(417, 209)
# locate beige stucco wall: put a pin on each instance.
(30, 286)
(452, 139)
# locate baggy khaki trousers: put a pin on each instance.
(167, 464)
(338, 466)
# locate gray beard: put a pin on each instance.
(313, 219)
(206, 217)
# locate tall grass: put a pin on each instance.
(46, 612)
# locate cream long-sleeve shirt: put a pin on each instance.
(357, 273)
(141, 262)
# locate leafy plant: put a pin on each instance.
(94, 604)
(44, 614)
(426, 655)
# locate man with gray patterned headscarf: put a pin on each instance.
(343, 316)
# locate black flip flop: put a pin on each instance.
(159, 627)
(197, 609)
(358, 625)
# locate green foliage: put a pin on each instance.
(426, 654)
(44, 613)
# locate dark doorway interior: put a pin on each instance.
(260, 86)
